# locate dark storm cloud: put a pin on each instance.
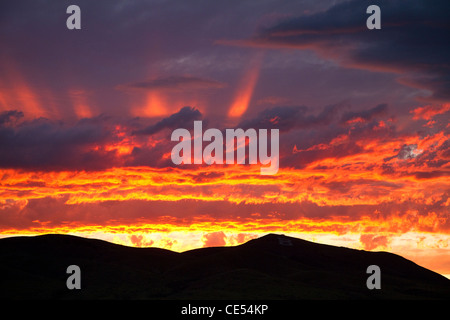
(49, 145)
(412, 40)
(365, 115)
(307, 135)
(87, 144)
(10, 116)
(290, 117)
(182, 119)
(175, 83)
(301, 148)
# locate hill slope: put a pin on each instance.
(271, 267)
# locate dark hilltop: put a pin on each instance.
(270, 267)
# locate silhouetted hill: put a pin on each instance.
(270, 267)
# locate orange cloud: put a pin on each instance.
(371, 241)
(429, 111)
(139, 240)
(80, 103)
(246, 88)
(17, 91)
(214, 239)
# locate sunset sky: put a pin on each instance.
(86, 118)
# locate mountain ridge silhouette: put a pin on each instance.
(270, 267)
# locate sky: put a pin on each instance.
(86, 118)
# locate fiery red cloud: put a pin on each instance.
(376, 187)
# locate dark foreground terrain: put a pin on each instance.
(271, 267)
